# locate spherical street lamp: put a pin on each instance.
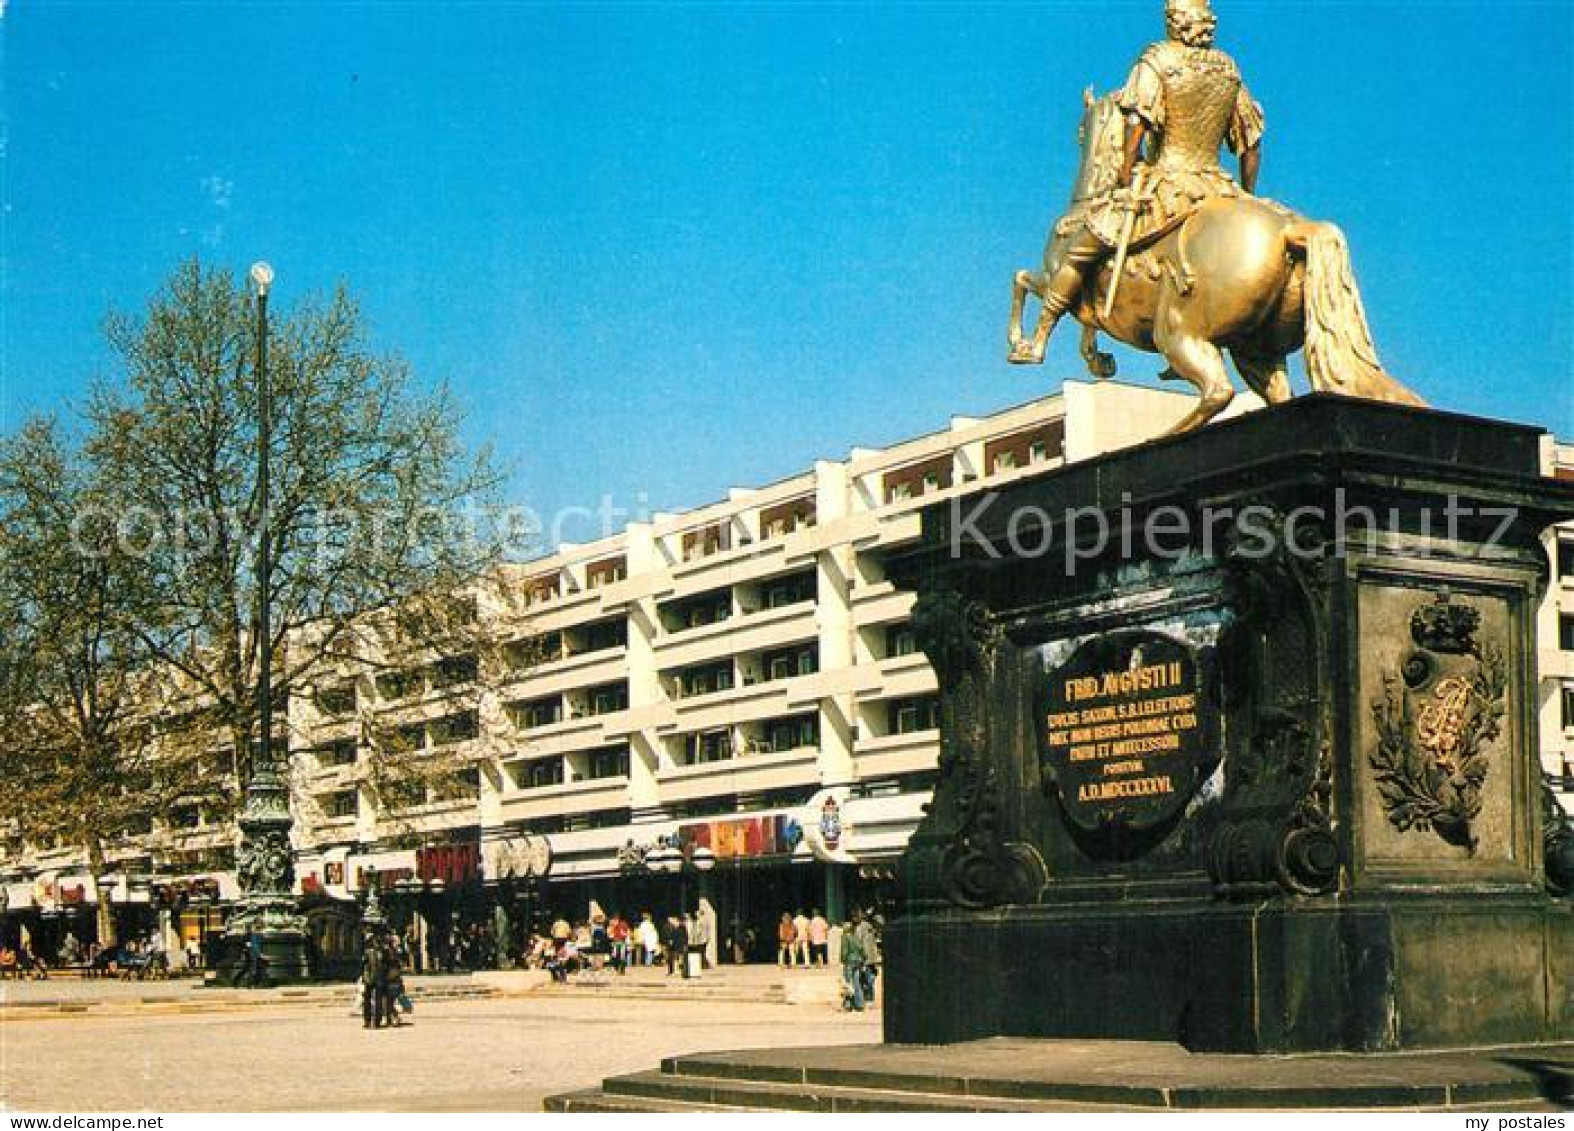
(262, 277)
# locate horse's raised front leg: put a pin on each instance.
(1199, 361)
(1024, 282)
(1100, 364)
(1268, 377)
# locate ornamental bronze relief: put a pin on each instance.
(1438, 719)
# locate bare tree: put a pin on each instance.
(374, 504)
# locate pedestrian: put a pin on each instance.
(618, 936)
(394, 997)
(819, 933)
(800, 938)
(699, 938)
(669, 943)
(374, 981)
(868, 932)
(785, 932)
(852, 958)
(649, 937)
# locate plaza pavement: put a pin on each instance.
(459, 1054)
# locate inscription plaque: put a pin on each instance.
(1129, 736)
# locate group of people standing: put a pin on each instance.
(619, 943)
(803, 940)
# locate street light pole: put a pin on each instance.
(262, 276)
(266, 923)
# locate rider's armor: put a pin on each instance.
(1193, 101)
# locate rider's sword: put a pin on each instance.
(1124, 247)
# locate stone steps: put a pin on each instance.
(1018, 1076)
(761, 1095)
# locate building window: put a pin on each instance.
(706, 608)
(789, 662)
(1568, 705)
(608, 762)
(784, 518)
(340, 753)
(705, 679)
(536, 712)
(606, 572)
(540, 590)
(909, 716)
(603, 636)
(340, 804)
(338, 700)
(917, 479)
(793, 590)
(455, 728)
(706, 541)
(792, 733)
(398, 685)
(707, 746)
(1566, 632)
(1033, 445)
(453, 671)
(900, 640)
(609, 698)
(1566, 558)
(539, 774)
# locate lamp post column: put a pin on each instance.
(266, 921)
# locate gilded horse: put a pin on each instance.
(1241, 274)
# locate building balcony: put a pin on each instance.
(748, 632)
(587, 795)
(881, 603)
(746, 773)
(568, 674)
(891, 755)
(752, 702)
(897, 677)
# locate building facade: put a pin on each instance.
(722, 709)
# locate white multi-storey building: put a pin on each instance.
(707, 679)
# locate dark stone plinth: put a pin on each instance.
(1239, 745)
(1018, 1075)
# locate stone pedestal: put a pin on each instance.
(1239, 745)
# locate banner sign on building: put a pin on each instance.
(739, 838)
(449, 864)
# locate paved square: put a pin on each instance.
(476, 1055)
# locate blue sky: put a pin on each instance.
(659, 249)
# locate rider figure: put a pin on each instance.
(1190, 97)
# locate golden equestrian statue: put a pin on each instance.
(1163, 250)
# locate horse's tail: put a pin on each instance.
(1340, 356)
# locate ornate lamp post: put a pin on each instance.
(266, 917)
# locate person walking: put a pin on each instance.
(868, 933)
(852, 958)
